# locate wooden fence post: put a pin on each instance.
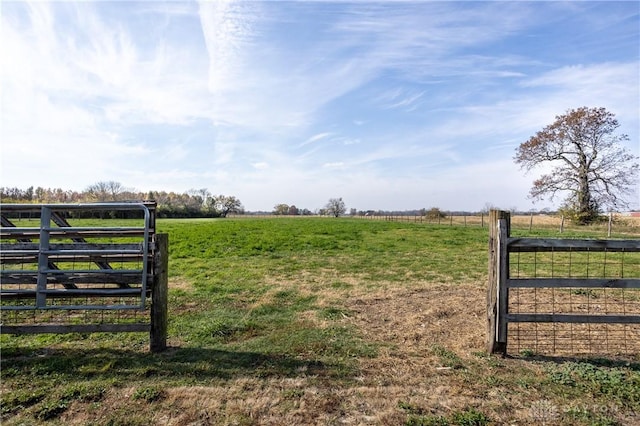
(497, 265)
(159, 295)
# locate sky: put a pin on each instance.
(389, 105)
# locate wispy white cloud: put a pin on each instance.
(262, 165)
(610, 84)
(401, 98)
(315, 138)
(223, 152)
(336, 165)
(413, 38)
(227, 29)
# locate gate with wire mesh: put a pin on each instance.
(84, 268)
(562, 296)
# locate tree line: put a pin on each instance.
(192, 203)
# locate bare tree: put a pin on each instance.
(335, 207)
(590, 166)
(99, 191)
(105, 191)
(115, 189)
(200, 196)
(488, 206)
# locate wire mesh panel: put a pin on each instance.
(89, 320)
(75, 264)
(574, 339)
(574, 297)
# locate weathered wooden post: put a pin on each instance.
(499, 230)
(159, 295)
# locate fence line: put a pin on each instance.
(562, 295)
(613, 223)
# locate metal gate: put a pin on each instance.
(96, 267)
(79, 267)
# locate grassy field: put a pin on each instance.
(315, 321)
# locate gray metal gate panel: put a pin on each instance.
(40, 258)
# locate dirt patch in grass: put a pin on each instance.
(426, 336)
(181, 284)
(411, 321)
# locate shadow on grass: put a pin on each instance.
(179, 364)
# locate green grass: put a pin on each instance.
(379, 250)
(616, 384)
(466, 417)
(265, 300)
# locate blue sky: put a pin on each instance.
(389, 105)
